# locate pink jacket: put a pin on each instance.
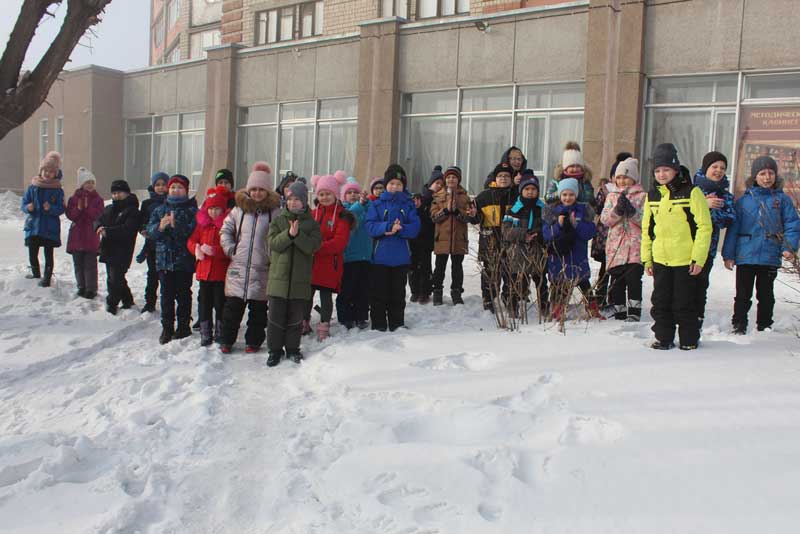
(82, 237)
(624, 242)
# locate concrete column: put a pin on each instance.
(614, 78)
(378, 97)
(220, 140)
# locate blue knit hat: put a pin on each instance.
(568, 184)
(159, 176)
(528, 178)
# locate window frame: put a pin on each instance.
(397, 7)
(455, 13)
(263, 23)
(44, 137)
(59, 135)
(170, 13)
(159, 34)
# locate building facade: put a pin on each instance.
(356, 84)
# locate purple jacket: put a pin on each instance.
(82, 237)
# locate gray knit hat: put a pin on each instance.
(299, 190)
(629, 168)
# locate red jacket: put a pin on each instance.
(335, 223)
(210, 268)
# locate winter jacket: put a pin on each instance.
(766, 225)
(449, 213)
(121, 222)
(214, 267)
(171, 252)
(244, 240)
(82, 236)
(392, 250)
(587, 190)
(598, 250)
(359, 246)
(624, 241)
(720, 217)
(41, 223)
(335, 223)
(492, 205)
(425, 237)
(568, 245)
(676, 224)
(291, 258)
(524, 218)
(148, 205)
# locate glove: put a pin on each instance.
(198, 253)
(142, 256)
(623, 206)
(208, 250)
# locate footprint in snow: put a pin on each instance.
(462, 361)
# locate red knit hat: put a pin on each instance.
(180, 179)
(216, 197)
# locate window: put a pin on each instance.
(169, 143)
(394, 8)
(473, 127)
(441, 8)
(60, 135)
(289, 23)
(42, 138)
(305, 137)
(199, 42)
(206, 12)
(173, 13)
(174, 55)
(158, 32)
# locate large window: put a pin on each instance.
(316, 137)
(288, 23)
(174, 55)
(169, 143)
(206, 11)
(441, 8)
(198, 42)
(473, 127)
(394, 8)
(158, 32)
(42, 138)
(173, 13)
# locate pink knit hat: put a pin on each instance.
(351, 185)
(331, 182)
(52, 160)
(261, 176)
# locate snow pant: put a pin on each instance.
(456, 273)
(34, 243)
(674, 299)
(492, 271)
(151, 289)
(626, 280)
(325, 304)
(285, 325)
(419, 272)
(352, 302)
(117, 286)
(176, 286)
(387, 296)
(256, 321)
(702, 288)
(212, 300)
(764, 278)
(85, 266)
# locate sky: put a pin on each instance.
(121, 42)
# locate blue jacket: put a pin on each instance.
(568, 246)
(41, 223)
(359, 247)
(519, 208)
(392, 250)
(171, 251)
(720, 217)
(766, 225)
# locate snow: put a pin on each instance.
(451, 426)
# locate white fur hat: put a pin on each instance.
(572, 155)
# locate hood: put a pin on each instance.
(399, 196)
(153, 193)
(504, 159)
(248, 205)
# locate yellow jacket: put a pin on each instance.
(676, 224)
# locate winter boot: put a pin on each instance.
(456, 297)
(362, 325)
(206, 338)
(306, 328)
(687, 346)
(424, 299)
(740, 328)
(437, 298)
(90, 295)
(196, 325)
(183, 330)
(488, 305)
(225, 349)
(167, 331)
(111, 308)
(48, 275)
(81, 292)
(296, 357)
(593, 309)
(323, 331)
(149, 307)
(635, 311)
(658, 345)
(274, 358)
(35, 272)
(251, 349)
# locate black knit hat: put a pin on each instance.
(666, 155)
(120, 185)
(223, 174)
(711, 158)
(395, 172)
(436, 174)
(502, 167)
(764, 162)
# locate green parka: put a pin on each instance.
(291, 257)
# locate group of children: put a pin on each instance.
(269, 252)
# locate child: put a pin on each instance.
(43, 204)
(572, 166)
(391, 220)
(224, 178)
(419, 275)
(283, 187)
(711, 180)
(212, 263)
(352, 303)
(568, 227)
(244, 240)
(376, 187)
(524, 245)
(83, 208)
(676, 234)
(766, 227)
(171, 225)
(622, 215)
(451, 213)
(294, 236)
(117, 228)
(335, 224)
(158, 195)
(491, 206)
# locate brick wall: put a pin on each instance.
(478, 7)
(343, 16)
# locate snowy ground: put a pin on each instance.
(449, 427)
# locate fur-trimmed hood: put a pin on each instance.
(558, 171)
(248, 205)
(751, 182)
